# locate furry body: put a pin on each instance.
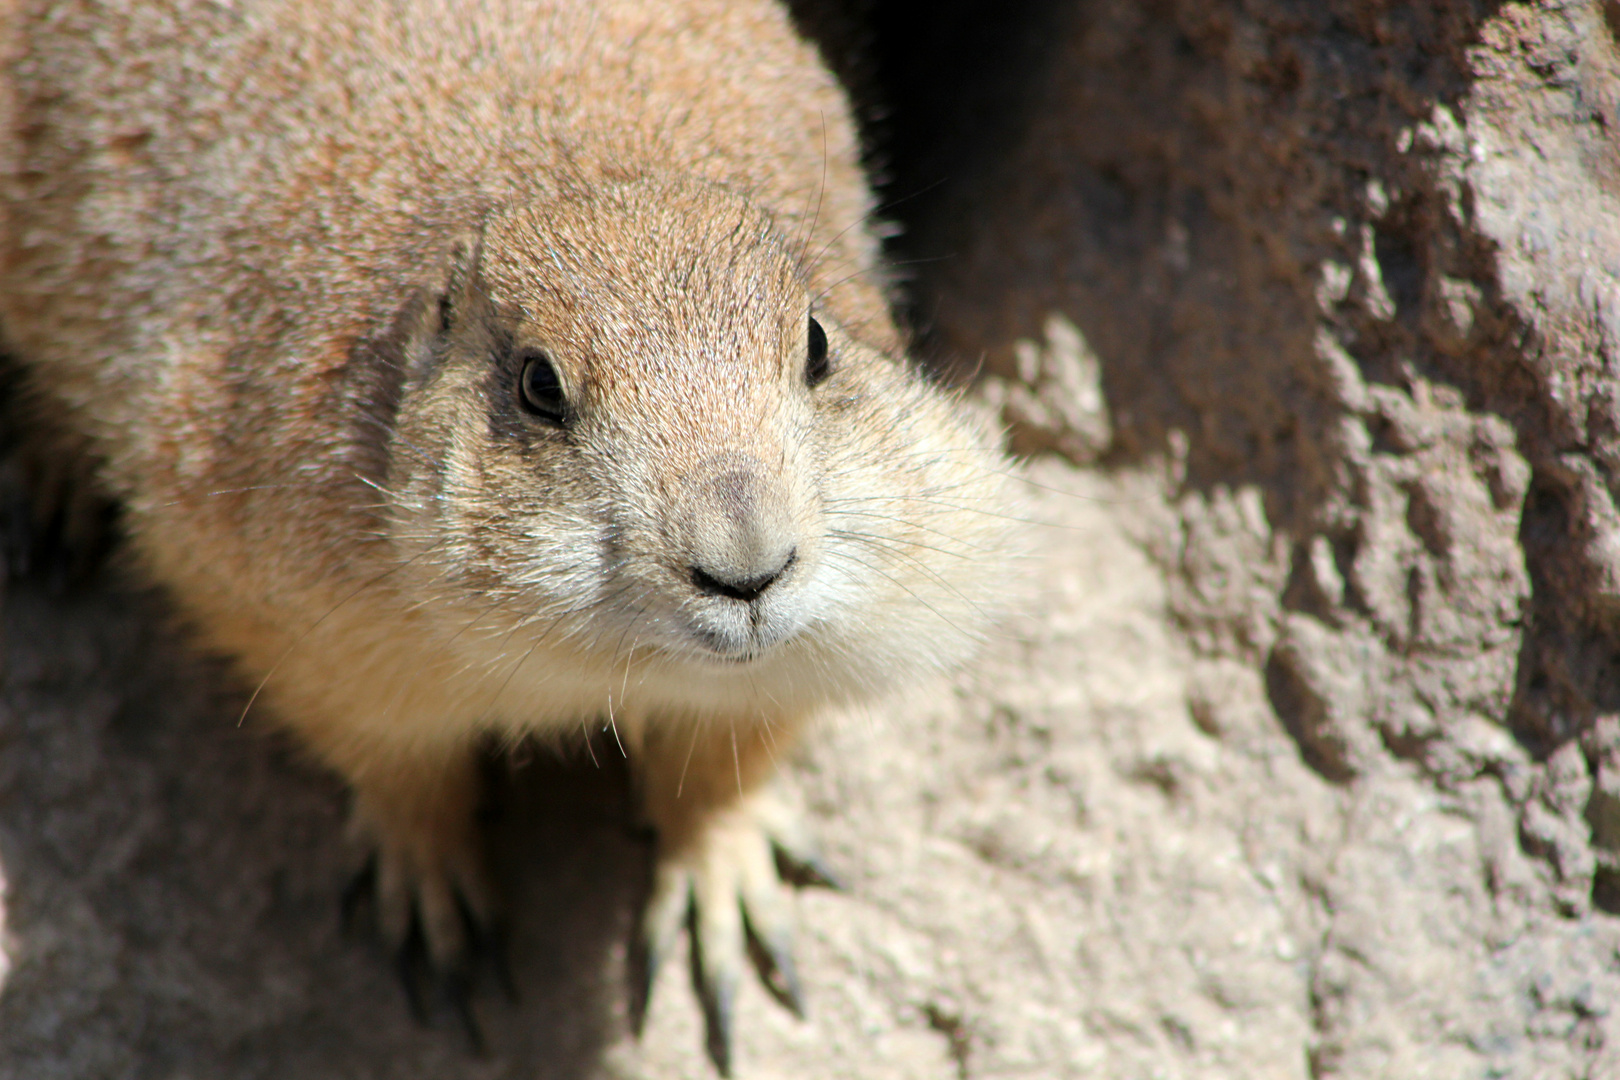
(281, 267)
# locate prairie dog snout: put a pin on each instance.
(741, 532)
(737, 526)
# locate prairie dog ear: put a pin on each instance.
(458, 292)
(404, 354)
(446, 300)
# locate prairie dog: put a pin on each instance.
(473, 366)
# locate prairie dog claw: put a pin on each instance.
(722, 883)
(429, 898)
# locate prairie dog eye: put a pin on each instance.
(540, 388)
(817, 364)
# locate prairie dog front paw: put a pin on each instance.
(426, 878)
(720, 849)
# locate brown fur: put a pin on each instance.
(274, 262)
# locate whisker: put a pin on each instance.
(912, 593)
(875, 538)
(930, 572)
(821, 189)
(521, 660)
(680, 785)
(914, 525)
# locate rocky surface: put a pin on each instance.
(1351, 268)
(1304, 761)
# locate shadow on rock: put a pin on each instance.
(172, 881)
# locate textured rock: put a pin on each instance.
(1351, 269)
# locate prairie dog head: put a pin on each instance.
(633, 432)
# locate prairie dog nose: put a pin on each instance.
(738, 528)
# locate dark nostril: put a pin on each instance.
(748, 589)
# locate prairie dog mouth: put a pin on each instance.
(735, 632)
